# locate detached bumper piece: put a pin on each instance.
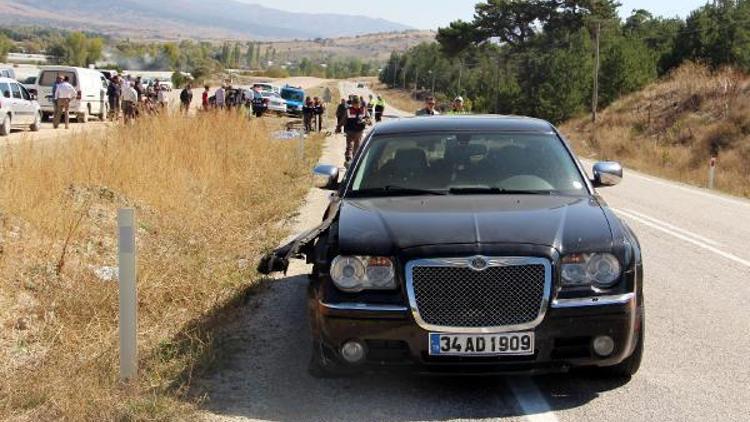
(278, 260)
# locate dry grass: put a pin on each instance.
(211, 193)
(674, 126)
(398, 98)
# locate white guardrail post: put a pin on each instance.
(712, 173)
(128, 302)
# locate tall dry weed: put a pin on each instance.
(210, 194)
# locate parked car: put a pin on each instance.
(266, 87)
(295, 99)
(470, 244)
(30, 84)
(166, 85)
(8, 73)
(92, 91)
(109, 73)
(18, 107)
(274, 101)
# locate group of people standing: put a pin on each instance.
(133, 98)
(312, 113)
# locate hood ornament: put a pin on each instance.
(478, 263)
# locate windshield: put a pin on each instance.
(467, 163)
(48, 77)
(291, 95)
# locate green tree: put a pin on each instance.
(76, 49)
(5, 45)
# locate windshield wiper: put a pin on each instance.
(487, 190)
(397, 190)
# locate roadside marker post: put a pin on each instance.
(712, 173)
(128, 302)
(301, 146)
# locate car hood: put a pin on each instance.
(384, 226)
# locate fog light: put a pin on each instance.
(604, 345)
(353, 352)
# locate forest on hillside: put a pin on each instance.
(538, 57)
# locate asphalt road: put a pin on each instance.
(694, 369)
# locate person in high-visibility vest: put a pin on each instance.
(457, 107)
(379, 109)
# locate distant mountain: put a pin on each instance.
(197, 19)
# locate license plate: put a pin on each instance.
(442, 344)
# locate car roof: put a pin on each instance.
(491, 123)
(4, 79)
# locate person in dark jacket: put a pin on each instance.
(341, 115)
(260, 104)
(319, 109)
(429, 108)
(186, 97)
(354, 127)
(308, 113)
(114, 92)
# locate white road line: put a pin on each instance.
(679, 186)
(698, 243)
(531, 401)
(670, 226)
(692, 189)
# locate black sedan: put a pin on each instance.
(471, 244)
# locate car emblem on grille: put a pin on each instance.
(478, 263)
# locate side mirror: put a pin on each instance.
(326, 177)
(607, 173)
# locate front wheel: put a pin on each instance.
(37, 123)
(103, 112)
(5, 126)
(83, 117)
(629, 366)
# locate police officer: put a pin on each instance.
(356, 121)
(259, 105)
(379, 109)
(341, 115)
(308, 113)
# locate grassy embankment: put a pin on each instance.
(211, 194)
(398, 98)
(672, 128)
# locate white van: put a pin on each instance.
(90, 84)
(18, 109)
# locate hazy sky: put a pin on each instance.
(429, 14)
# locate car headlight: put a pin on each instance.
(602, 270)
(357, 273)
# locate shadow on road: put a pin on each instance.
(262, 374)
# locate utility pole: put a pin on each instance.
(434, 75)
(406, 68)
(395, 73)
(416, 84)
(595, 99)
(460, 75)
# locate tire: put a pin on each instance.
(103, 112)
(629, 366)
(5, 126)
(37, 123)
(83, 117)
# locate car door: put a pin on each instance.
(6, 98)
(22, 108)
(29, 103)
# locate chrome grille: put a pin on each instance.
(505, 294)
